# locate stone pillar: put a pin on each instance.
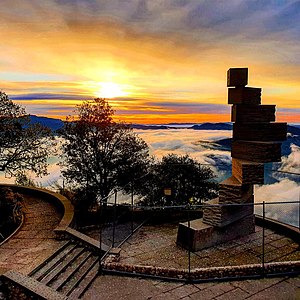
(256, 140)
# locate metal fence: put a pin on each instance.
(147, 237)
(155, 244)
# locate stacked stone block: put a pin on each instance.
(256, 140)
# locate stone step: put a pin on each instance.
(26, 287)
(39, 267)
(248, 172)
(71, 271)
(63, 265)
(52, 262)
(79, 276)
(87, 280)
(232, 190)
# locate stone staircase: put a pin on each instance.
(69, 271)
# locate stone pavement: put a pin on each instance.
(109, 287)
(36, 240)
(155, 245)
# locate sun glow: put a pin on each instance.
(110, 90)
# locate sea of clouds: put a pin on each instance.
(199, 144)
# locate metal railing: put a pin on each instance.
(271, 242)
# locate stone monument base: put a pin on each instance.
(200, 235)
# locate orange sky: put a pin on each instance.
(158, 61)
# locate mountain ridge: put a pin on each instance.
(56, 124)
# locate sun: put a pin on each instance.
(110, 90)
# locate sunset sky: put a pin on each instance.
(156, 61)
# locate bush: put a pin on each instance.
(10, 207)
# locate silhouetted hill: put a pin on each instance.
(213, 126)
(295, 130)
(56, 124)
(149, 127)
(53, 124)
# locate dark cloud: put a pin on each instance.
(195, 107)
(48, 96)
(288, 110)
(286, 18)
(226, 17)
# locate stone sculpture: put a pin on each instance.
(256, 140)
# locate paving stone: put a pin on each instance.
(226, 286)
(255, 286)
(280, 291)
(274, 236)
(209, 293)
(294, 281)
(183, 291)
(167, 286)
(164, 296)
(236, 294)
(6, 253)
(281, 242)
(113, 287)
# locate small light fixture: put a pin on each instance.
(167, 191)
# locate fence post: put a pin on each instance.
(263, 240)
(100, 239)
(132, 207)
(189, 243)
(299, 211)
(115, 215)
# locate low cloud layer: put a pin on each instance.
(187, 141)
(282, 191)
(292, 162)
(195, 143)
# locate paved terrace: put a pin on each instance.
(155, 245)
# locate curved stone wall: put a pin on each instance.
(62, 202)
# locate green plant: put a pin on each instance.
(176, 180)
(100, 154)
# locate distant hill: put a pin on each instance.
(149, 127)
(53, 124)
(296, 125)
(294, 130)
(213, 126)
